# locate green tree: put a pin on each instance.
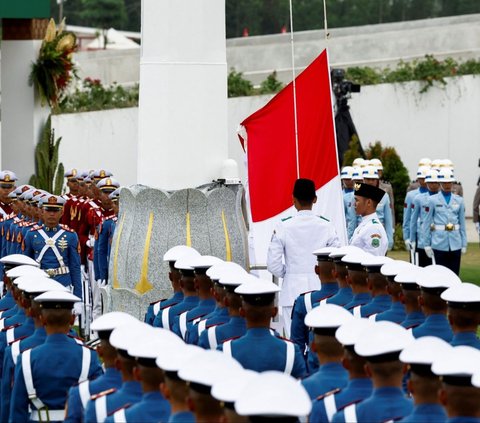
(104, 14)
(238, 86)
(271, 84)
(353, 152)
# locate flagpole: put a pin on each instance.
(294, 90)
(325, 26)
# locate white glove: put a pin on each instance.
(101, 282)
(90, 242)
(464, 250)
(413, 244)
(477, 225)
(78, 308)
(408, 246)
(429, 252)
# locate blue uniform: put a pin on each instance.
(103, 246)
(342, 297)
(166, 318)
(466, 338)
(417, 217)
(152, 408)
(426, 413)
(434, 325)
(356, 390)
(357, 302)
(154, 313)
(58, 249)
(384, 213)
(413, 319)
(328, 377)
(407, 211)
(270, 352)
(303, 304)
(396, 313)
(12, 316)
(186, 320)
(7, 302)
(182, 417)
(444, 229)
(219, 317)
(102, 405)
(385, 404)
(350, 214)
(379, 304)
(78, 396)
(217, 335)
(463, 419)
(56, 365)
(10, 360)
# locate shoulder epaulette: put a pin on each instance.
(212, 325)
(375, 221)
(66, 228)
(231, 339)
(327, 394)
(124, 407)
(308, 292)
(283, 339)
(286, 218)
(16, 325)
(75, 337)
(169, 305)
(36, 228)
(18, 339)
(350, 403)
(103, 393)
(324, 218)
(155, 302)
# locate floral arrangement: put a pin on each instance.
(54, 69)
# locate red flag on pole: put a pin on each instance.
(271, 144)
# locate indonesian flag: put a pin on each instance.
(268, 138)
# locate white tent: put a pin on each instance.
(115, 41)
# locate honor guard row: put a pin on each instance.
(434, 228)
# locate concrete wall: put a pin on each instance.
(442, 123)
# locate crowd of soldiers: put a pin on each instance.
(69, 235)
(370, 339)
(434, 211)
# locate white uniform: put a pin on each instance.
(290, 256)
(370, 236)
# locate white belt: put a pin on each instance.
(47, 415)
(446, 227)
(58, 271)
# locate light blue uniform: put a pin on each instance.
(434, 325)
(417, 217)
(152, 408)
(329, 376)
(426, 413)
(217, 335)
(441, 213)
(350, 215)
(384, 213)
(407, 211)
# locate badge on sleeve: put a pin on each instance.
(375, 240)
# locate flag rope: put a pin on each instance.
(294, 91)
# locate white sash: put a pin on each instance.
(357, 312)
(15, 351)
(202, 324)
(27, 377)
(372, 317)
(86, 357)
(156, 307)
(166, 318)
(227, 348)
(350, 413)
(84, 392)
(50, 243)
(212, 337)
(10, 335)
(307, 298)
(330, 406)
(101, 408)
(182, 323)
(119, 416)
(290, 358)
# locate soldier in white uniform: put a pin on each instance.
(370, 235)
(290, 253)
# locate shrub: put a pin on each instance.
(271, 85)
(238, 86)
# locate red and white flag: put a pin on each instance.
(268, 138)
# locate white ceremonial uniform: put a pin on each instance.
(370, 236)
(290, 256)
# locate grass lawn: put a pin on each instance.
(470, 265)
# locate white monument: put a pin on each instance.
(183, 93)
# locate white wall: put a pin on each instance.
(442, 123)
(106, 139)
